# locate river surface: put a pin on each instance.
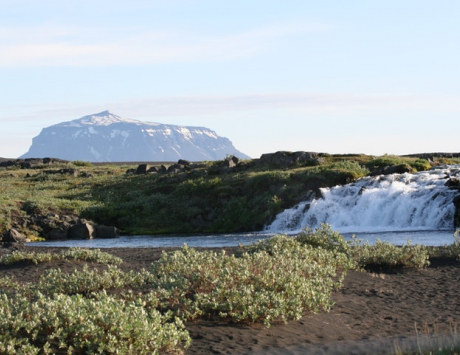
(431, 238)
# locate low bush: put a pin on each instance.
(91, 255)
(324, 237)
(87, 281)
(19, 256)
(253, 287)
(77, 325)
(385, 255)
(82, 163)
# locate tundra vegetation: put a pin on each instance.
(202, 198)
(145, 312)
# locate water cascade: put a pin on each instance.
(397, 202)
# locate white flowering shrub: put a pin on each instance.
(256, 287)
(102, 324)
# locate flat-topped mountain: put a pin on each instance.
(105, 137)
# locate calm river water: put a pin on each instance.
(432, 238)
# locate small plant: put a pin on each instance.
(431, 342)
(92, 255)
(386, 255)
(324, 237)
(87, 281)
(81, 163)
(452, 250)
(18, 256)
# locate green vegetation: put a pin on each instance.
(432, 342)
(205, 198)
(413, 164)
(75, 324)
(91, 255)
(117, 312)
(251, 287)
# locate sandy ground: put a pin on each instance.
(373, 312)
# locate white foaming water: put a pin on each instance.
(397, 202)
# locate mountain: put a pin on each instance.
(105, 137)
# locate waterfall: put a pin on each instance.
(397, 202)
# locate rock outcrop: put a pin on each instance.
(11, 240)
(283, 159)
(456, 202)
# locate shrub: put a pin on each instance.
(18, 256)
(382, 162)
(77, 325)
(387, 255)
(256, 287)
(452, 250)
(324, 237)
(421, 165)
(82, 163)
(352, 166)
(87, 281)
(92, 255)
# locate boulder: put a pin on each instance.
(58, 233)
(13, 236)
(453, 183)
(456, 203)
(142, 169)
(69, 171)
(183, 162)
(107, 232)
(83, 230)
(392, 169)
(176, 168)
(231, 162)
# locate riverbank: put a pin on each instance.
(371, 311)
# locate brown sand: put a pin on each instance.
(372, 312)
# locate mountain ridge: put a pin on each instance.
(106, 137)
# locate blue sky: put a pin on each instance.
(373, 77)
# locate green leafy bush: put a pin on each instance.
(386, 255)
(87, 281)
(93, 255)
(324, 237)
(82, 163)
(77, 325)
(18, 256)
(253, 287)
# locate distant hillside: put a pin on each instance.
(105, 137)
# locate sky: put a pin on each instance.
(371, 77)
